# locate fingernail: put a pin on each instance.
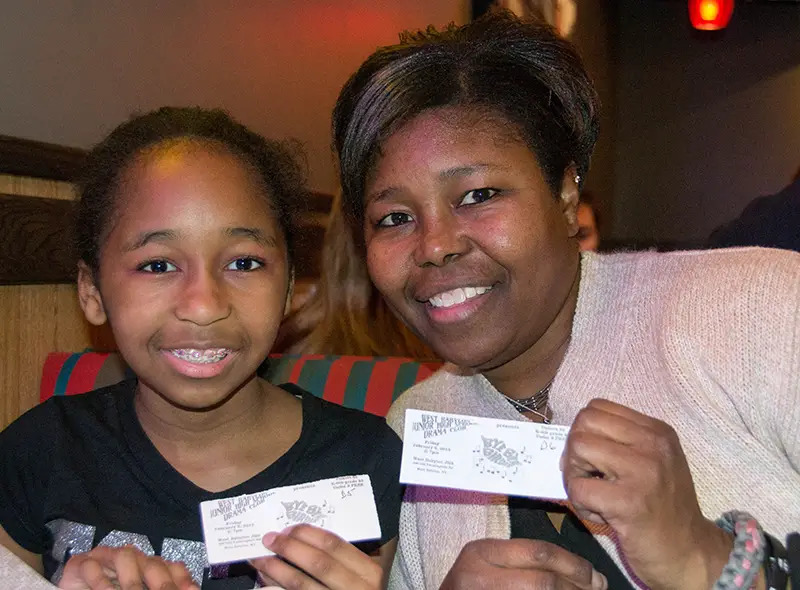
(269, 539)
(599, 581)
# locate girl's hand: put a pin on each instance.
(307, 557)
(511, 564)
(125, 568)
(628, 470)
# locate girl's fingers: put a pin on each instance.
(127, 563)
(345, 554)
(181, 576)
(273, 570)
(317, 556)
(91, 573)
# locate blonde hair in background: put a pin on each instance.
(561, 14)
(345, 314)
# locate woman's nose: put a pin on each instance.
(441, 240)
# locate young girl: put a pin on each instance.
(185, 240)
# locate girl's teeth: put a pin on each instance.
(193, 355)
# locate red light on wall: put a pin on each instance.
(710, 15)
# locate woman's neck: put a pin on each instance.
(524, 375)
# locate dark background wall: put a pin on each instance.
(705, 122)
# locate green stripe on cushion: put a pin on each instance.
(65, 372)
(406, 377)
(355, 394)
(314, 375)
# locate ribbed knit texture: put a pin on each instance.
(16, 574)
(706, 341)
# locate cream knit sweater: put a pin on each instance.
(706, 341)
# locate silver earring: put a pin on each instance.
(578, 179)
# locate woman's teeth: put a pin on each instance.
(193, 355)
(456, 296)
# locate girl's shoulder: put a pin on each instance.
(82, 413)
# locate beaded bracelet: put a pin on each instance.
(747, 555)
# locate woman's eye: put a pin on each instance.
(244, 264)
(394, 219)
(479, 195)
(158, 267)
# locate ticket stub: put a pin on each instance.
(483, 454)
(233, 527)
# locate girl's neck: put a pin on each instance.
(221, 448)
(243, 412)
(533, 370)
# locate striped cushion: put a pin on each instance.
(363, 383)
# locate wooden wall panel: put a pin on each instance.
(36, 320)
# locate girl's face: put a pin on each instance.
(193, 274)
(465, 239)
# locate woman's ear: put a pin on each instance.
(89, 296)
(569, 198)
(287, 306)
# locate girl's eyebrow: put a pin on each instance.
(144, 238)
(254, 234)
(166, 235)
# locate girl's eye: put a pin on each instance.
(479, 195)
(158, 267)
(245, 264)
(394, 219)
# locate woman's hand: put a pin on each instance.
(628, 470)
(307, 557)
(125, 568)
(511, 564)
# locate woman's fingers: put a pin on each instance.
(521, 563)
(316, 559)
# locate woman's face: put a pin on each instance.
(465, 239)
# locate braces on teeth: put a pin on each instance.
(201, 356)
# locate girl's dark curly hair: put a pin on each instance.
(276, 164)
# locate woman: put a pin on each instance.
(345, 314)
(462, 155)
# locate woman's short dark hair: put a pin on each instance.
(279, 167)
(522, 71)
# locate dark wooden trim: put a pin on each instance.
(35, 241)
(26, 157)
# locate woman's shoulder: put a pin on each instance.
(441, 392)
(748, 276)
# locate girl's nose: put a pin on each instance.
(203, 299)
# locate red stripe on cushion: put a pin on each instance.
(381, 386)
(426, 370)
(294, 376)
(339, 373)
(84, 373)
(52, 366)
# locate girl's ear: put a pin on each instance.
(287, 306)
(569, 198)
(89, 296)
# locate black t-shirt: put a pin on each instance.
(79, 471)
(529, 520)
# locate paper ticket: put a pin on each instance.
(233, 527)
(483, 454)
